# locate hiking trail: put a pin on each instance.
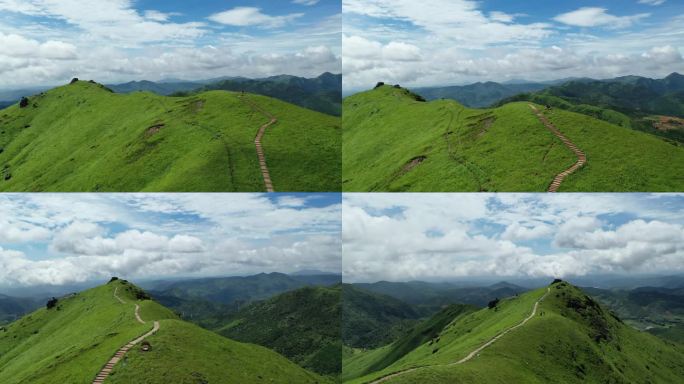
(581, 157)
(107, 369)
(477, 351)
(257, 142)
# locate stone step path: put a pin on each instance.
(257, 143)
(581, 157)
(107, 369)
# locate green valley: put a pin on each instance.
(395, 141)
(83, 137)
(72, 339)
(551, 334)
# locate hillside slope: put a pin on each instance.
(655, 106)
(370, 320)
(394, 142)
(82, 137)
(71, 342)
(303, 325)
(553, 334)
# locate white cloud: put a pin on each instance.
(652, 2)
(311, 2)
(252, 16)
(598, 17)
(443, 236)
(60, 239)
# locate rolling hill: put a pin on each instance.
(322, 93)
(657, 310)
(393, 141)
(478, 95)
(73, 341)
(371, 320)
(430, 297)
(82, 137)
(655, 106)
(302, 325)
(11, 308)
(552, 334)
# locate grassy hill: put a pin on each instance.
(655, 106)
(362, 362)
(371, 320)
(303, 325)
(322, 94)
(569, 339)
(71, 342)
(395, 142)
(82, 137)
(237, 291)
(478, 95)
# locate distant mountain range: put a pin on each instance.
(322, 93)
(12, 308)
(478, 95)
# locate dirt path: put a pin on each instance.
(257, 143)
(107, 369)
(477, 351)
(581, 157)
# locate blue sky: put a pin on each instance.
(444, 42)
(401, 237)
(46, 42)
(62, 239)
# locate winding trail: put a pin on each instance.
(107, 369)
(581, 157)
(477, 351)
(257, 142)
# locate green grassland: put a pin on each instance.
(71, 343)
(571, 339)
(82, 137)
(388, 131)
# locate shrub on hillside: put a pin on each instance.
(24, 102)
(379, 84)
(114, 278)
(493, 303)
(52, 303)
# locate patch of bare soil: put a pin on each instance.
(154, 129)
(668, 123)
(413, 163)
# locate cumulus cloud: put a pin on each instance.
(598, 17)
(460, 43)
(252, 16)
(61, 239)
(442, 236)
(113, 41)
